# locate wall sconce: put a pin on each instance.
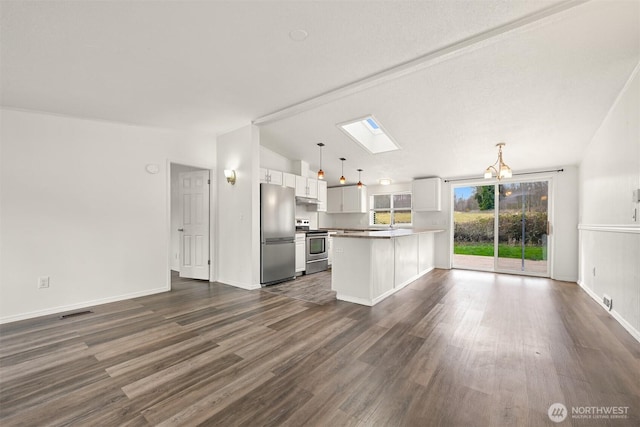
(230, 175)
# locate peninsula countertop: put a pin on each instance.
(387, 233)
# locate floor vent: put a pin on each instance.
(77, 313)
(606, 300)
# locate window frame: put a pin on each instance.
(392, 209)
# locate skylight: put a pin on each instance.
(368, 133)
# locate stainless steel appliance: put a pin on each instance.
(317, 247)
(277, 234)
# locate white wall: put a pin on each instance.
(272, 160)
(78, 205)
(609, 235)
(239, 208)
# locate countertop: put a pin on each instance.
(381, 233)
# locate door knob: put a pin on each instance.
(180, 229)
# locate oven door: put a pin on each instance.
(316, 247)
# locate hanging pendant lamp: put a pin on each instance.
(360, 184)
(320, 171)
(342, 178)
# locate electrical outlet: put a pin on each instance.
(607, 301)
(43, 282)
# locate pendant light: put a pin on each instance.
(360, 184)
(320, 171)
(499, 168)
(342, 178)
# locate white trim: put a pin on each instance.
(610, 228)
(354, 300)
(633, 331)
(430, 59)
(565, 279)
(85, 304)
(376, 300)
(240, 285)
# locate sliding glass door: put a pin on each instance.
(522, 227)
(502, 227)
(474, 227)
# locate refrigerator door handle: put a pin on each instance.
(279, 241)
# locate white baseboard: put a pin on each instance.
(84, 304)
(370, 303)
(566, 279)
(354, 300)
(633, 331)
(239, 285)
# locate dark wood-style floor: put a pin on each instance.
(455, 348)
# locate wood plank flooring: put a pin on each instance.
(315, 288)
(454, 348)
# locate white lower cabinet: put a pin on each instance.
(301, 253)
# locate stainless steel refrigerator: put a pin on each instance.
(277, 234)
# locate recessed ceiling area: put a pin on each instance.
(447, 79)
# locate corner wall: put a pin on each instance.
(609, 234)
(239, 208)
(77, 205)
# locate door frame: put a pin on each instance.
(550, 218)
(213, 231)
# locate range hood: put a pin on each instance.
(306, 201)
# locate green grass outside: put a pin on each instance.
(533, 253)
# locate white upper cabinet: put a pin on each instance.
(289, 180)
(306, 187)
(334, 200)
(322, 196)
(426, 194)
(270, 176)
(349, 199)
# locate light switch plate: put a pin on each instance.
(636, 196)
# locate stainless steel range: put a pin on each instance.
(317, 247)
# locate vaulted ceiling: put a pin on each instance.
(448, 80)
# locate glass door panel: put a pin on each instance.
(521, 243)
(473, 219)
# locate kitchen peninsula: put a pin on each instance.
(369, 266)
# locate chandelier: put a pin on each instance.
(499, 168)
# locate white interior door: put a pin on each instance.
(194, 239)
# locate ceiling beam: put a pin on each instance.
(425, 61)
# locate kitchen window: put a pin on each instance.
(389, 209)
